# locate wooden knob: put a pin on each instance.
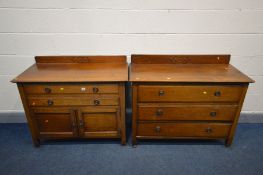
(159, 112)
(161, 93)
(96, 102)
(158, 129)
(74, 125)
(217, 93)
(81, 123)
(213, 114)
(47, 90)
(209, 130)
(50, 102)
(95, 90)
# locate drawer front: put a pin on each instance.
(212, 130)
(74, 101)
(189, 93)
(187, 112)
(71, 89)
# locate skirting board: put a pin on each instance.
(19, 117)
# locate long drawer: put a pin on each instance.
(73, 100)
(189, 93)
(70, 88)
(206, 130)
(187, 112)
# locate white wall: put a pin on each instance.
(90, 27)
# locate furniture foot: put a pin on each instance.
(123, 142)
(36, 143)
(228, 142)
(134, 142)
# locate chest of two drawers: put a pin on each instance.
(186, 111)
(72, 95)
(86, 110)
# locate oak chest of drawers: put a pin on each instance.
(75, 97)
(186, 96)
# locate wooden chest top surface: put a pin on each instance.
(185, 68)
(76, 69)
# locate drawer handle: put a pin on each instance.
(74, 125)
(81, 123)
(47, 90)
(96, 102)
(95, 90)
(159, 112)
(213, 114)
(209, 130)
(217, 93)
(158, 129)
(50, 102)
(161, 93)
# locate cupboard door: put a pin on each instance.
(95, 122)
(55, 122)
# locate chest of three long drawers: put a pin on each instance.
(186, 96)
(199, 111)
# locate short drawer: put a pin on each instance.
(189, 93)
(206, 130)
(187, 112)
(70, 88)
(73, 101)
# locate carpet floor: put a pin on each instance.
(108, 157)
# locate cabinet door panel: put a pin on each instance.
(59, 123)
(99, 122)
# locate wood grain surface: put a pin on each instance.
(76, 69)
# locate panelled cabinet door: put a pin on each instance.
(99, 122)
(55, 122)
